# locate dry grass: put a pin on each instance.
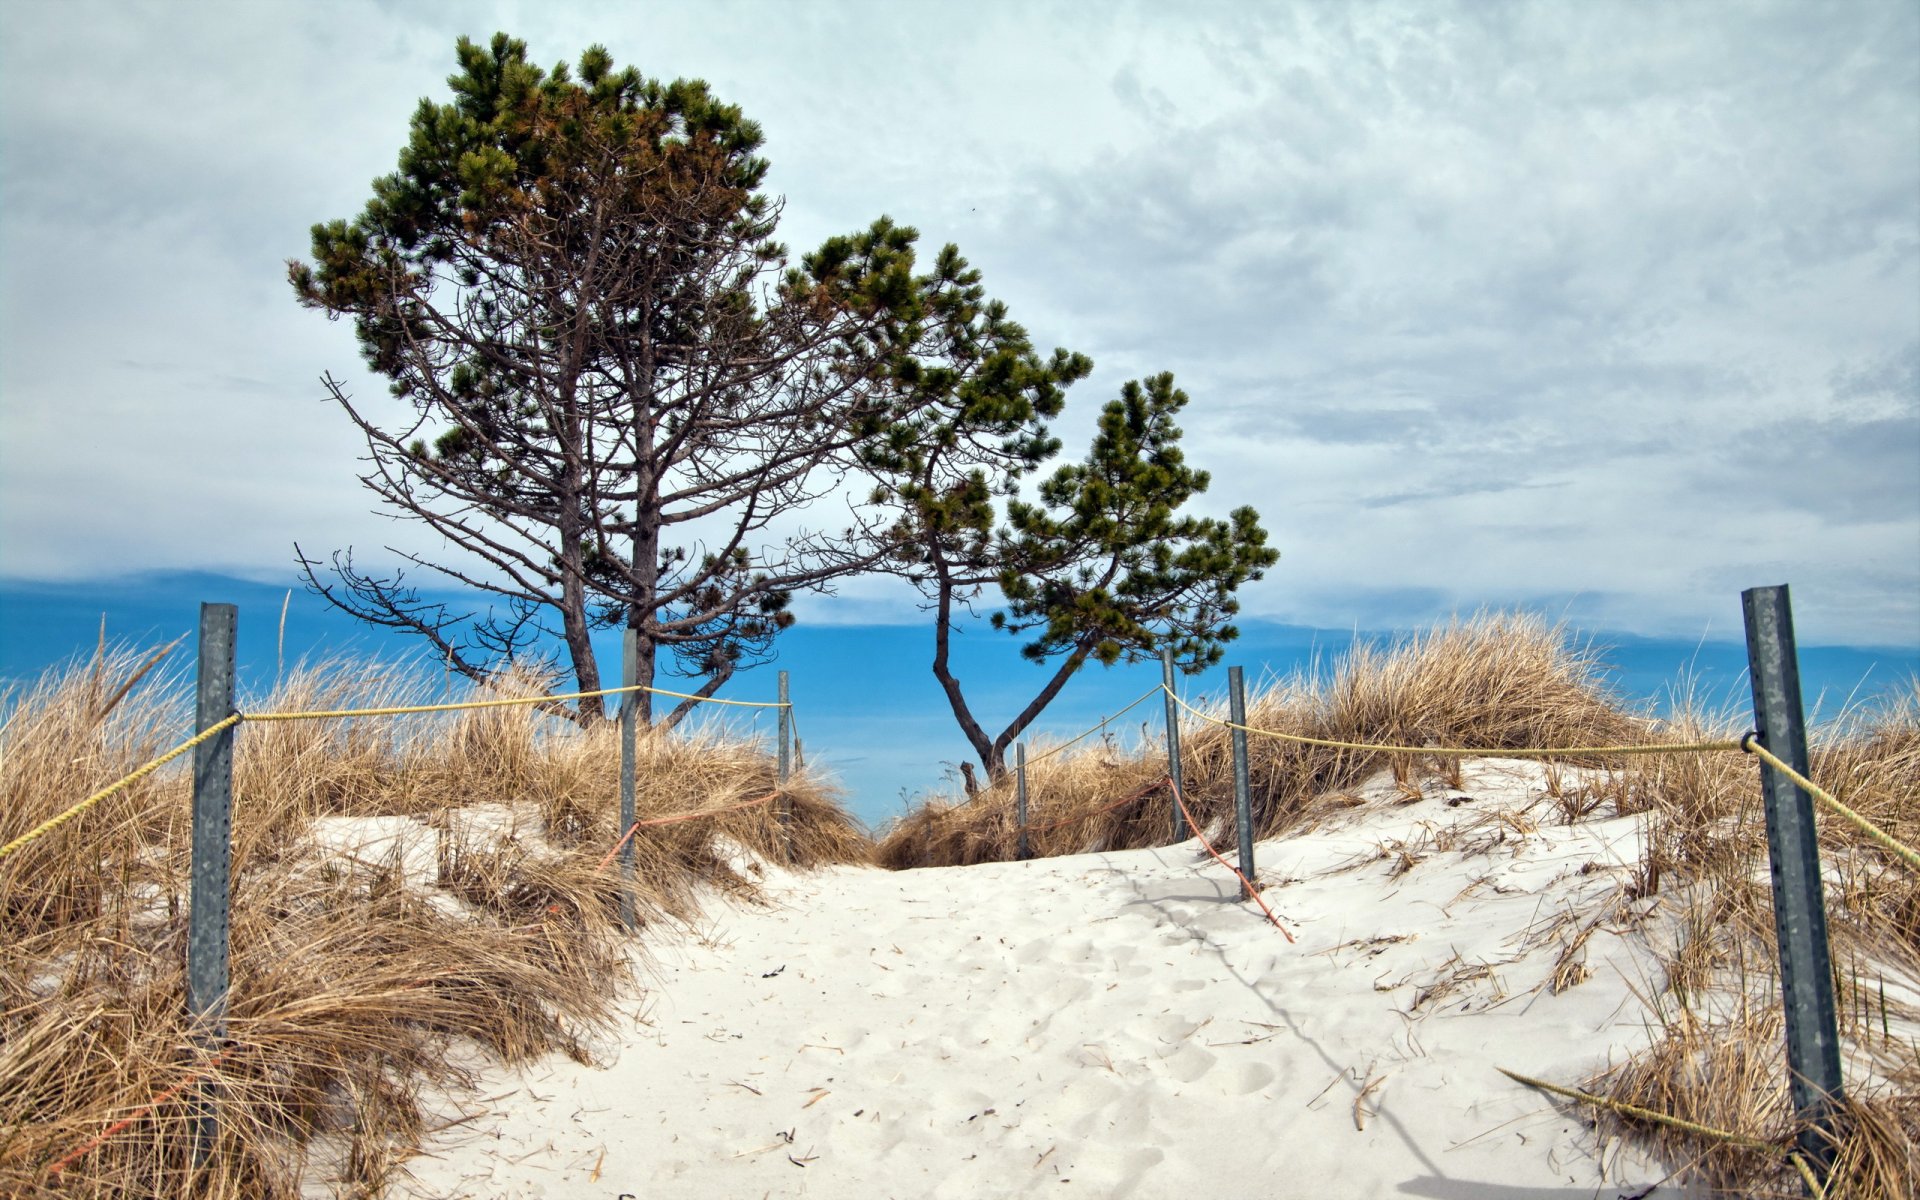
(475, 912)
(469, 910)
(1508, 682)
(1721, 1058)
(1496, 682)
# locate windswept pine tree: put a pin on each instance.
(1101, 566)
(612, 382)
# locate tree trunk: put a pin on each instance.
(956, 699)
(992, 752)
(646, 541)
(646, 578)
(573, 617)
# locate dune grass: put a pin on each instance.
(415, 897)
(1498, 682)
(1507, 682)
(410, 896)
(1721, 1058)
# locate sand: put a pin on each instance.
(1119, 1024)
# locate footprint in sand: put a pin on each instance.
(1247, 1078)
(1032, 952)
(1063, 992)
(1084, 1102)
(1189, 1063)
(1174, 1030)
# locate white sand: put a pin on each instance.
(1116, 1024)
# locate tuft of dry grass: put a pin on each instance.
(402, 888)
(1720, 1058)
(1498, 681)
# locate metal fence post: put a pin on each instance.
(1173, 742)
(1020, 797)
(786, 740)
(1793, 854)
(207, 921)
(1242, 792)
(629, 722)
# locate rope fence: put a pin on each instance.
(1751, 744)
(1461, 751)
(141, 772)
(676, 819)
(1748, 743)
(1145, 696)
(208, 924)
(52, 823)
(1724, 1136)
(100, 1139)
(1816, 1084)
(1779, 742)
(1208, 846)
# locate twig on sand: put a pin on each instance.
(1360, 1112)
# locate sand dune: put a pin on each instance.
(1117, 1024)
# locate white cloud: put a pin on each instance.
(1613, 304)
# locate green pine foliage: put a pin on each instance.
(572, 282)
(1104, 567)
(572, 287)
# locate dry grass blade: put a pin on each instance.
(401, 888)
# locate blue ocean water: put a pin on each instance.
(865, 701)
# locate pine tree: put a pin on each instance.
(1100, 567)
(613, 381)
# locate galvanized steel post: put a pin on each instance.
(629, 721)
(1793, 854)
(786, 740)
(1173, 742)
(1020, 797)
(1242, 793)
(207, 921)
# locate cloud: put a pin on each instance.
(1608, 305)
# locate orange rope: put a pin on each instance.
(1251, 890)
(137, 1113)
(617, 846)
(675, 819)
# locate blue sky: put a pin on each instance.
(1607, 310)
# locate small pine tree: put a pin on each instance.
(1101, 567)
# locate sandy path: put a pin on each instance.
(1110, 1025)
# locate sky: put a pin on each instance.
(1604, 310)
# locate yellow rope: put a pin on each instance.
(402, 710)
(1634, 1110)
(1144, 697)
(1676, 748)
(48, 826)
(1814, 1188)
(1751, 745)
(56, 822)
(1647, 1114)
